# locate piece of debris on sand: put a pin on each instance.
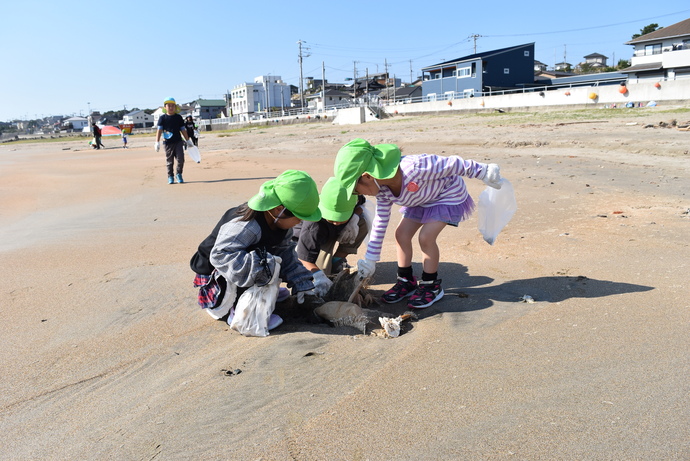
(342, 313)
(391, 327)
(347, 286)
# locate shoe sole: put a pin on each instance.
(438, 296)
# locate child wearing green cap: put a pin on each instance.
(171, 127)
(343, 224)
(432, 195)
(248, 241)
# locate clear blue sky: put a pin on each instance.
(60, 58)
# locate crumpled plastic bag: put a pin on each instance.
(495, 209)
(194, 154)
(256, 305)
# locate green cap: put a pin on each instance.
(358, 157)
(293, 189)
(335, 203)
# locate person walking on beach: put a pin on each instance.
(250, 240)
(124, 139)
(171, 128)
(191, 129)
(432, 195)
(342, 226)
(97, 136)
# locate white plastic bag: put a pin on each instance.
(256, 305)
(495, 209)
(194, 153)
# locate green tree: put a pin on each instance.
(646, 30)
(622, 64)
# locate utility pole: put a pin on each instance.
(475, 37)
(565, 61)
(323, 85)
(366, 83)
(354, 81)
(411, 78)
(301, 78)
(385, 66)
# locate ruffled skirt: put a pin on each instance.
(449, 214)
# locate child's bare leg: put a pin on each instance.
(403, 237)
(427, 242)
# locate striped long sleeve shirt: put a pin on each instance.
(427, 180)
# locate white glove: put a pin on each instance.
(190, 143)
(300, 295)
(350, 231)
(157, 146)
(321, 283)
(366, 268)
(493, 176)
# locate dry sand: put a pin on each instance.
(105, 354)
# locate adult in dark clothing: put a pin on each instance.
(171, 128)
(191, 129)
(97, 136)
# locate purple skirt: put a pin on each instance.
(449, 214)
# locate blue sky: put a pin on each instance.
(62, 58)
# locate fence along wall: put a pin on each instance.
(641, 92)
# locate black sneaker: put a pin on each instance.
(401, 290)
(427, 293)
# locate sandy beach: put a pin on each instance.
(106, 355)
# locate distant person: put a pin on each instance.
(124, 139)
(324, 245)
(192, 129)
(171, 127)
(97, 136)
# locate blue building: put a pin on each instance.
(495, 70)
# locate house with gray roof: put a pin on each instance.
(502, 69)
(661, 55)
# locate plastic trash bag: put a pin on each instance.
(194, 154)
(256, 305)
(495, 209)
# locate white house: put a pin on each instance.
(596, 60)
(333, 99)
(661, 55)
(266, 92)
(75, 123)
(139, 118)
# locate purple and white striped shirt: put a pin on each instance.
(427, 180)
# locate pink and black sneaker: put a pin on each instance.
(401, 290)
(427, 293)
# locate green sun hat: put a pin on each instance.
(293, 189)
(358, 157)
(336, 204)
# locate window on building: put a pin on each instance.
(526, 53)
(506, 71)
(463, 72)
(650, 50)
